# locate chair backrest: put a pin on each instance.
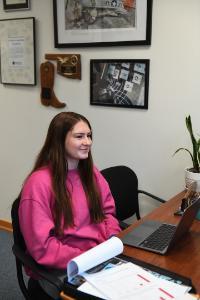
(18, 237)
(19, 245)
(123, 184)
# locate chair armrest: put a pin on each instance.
(41, 271)
(152, 196)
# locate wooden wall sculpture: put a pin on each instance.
(68, 65)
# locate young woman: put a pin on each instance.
(66, 206)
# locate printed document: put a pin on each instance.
(129, 281)
(100, 273)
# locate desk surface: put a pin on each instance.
(183, 258)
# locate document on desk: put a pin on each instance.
(94, 257)
(129, 281)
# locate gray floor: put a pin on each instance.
(9, 289)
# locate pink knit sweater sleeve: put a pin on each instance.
(36, 223)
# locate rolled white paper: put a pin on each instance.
(94, 257)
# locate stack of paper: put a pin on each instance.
(129, 281)
(123, 280)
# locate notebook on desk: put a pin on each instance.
(159, 237)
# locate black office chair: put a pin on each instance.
(32, 290)
(123, 183)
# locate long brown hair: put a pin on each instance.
(53, 155)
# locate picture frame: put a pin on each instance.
(12, 5)
(90, 23)
(17, 55)
(119, 82)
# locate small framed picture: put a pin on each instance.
(119, 82)
(10, 5)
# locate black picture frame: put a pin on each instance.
(119, 82)
(16, 5)
(18, 51)
(131, 24)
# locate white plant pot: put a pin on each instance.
(191, 177)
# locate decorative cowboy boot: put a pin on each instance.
(47, 95)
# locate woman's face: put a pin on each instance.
(78, 142)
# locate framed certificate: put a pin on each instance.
(17, 38)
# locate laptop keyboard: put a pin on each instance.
(160, 238)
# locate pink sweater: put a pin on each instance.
(37, 225)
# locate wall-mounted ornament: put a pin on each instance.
(68, 65)
(48, 97)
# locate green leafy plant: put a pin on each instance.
(195, 153)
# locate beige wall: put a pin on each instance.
(144, 140)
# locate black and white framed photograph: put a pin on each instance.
(119, 82)
(90, 23)
(10, 5)
(17, 51)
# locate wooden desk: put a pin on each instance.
(184, 258)
(65, 297)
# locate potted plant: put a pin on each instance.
(192, 173)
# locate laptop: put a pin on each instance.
(159, 237)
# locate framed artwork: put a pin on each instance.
(87, 23)
(10, 5)
(17, 54)
(119, 82)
